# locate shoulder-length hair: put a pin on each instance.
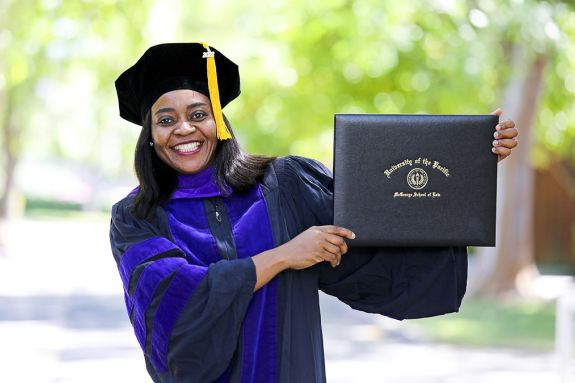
(232, 167)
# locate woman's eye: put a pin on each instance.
(197, 115)
(165, 121)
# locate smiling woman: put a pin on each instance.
(167, 92)
(221, 252)
(184, 130)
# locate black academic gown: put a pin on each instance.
(401, 283)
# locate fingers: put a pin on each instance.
(337, 230)
(331, 248)
(332, 254)
(505, 137)
(337, 246)
(319, 244)
(506, 129)
(337, 241)
(508, 143)
(324, 255)
(505, 124)
(502, 153)
(334, 243)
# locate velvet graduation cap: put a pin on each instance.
(166, 67)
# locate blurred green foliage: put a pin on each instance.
(300, 62)
(33, 205)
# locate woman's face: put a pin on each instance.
(184, 130)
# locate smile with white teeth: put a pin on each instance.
(187, 147)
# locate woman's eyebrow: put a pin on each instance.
(195, 105)
(164, 110)
(191, 106)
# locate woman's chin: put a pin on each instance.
(191, 168)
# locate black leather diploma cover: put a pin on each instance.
(416, 180)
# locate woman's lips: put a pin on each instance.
(188, 148)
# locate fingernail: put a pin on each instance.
(496, 134)
(496, 143)
(494, 150)
(498, 127)
(352, 235)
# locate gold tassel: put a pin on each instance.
(222, 131)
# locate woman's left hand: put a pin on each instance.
(505, 137)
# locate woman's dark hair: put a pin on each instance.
(158, 181)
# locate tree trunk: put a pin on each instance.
(510, 267)
(9, 170)
(10, 158)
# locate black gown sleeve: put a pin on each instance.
(187, 317)
(399, 282)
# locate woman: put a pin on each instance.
(222, 253)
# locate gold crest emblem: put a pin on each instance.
(417, 178)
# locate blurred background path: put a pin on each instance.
(64, 151)
(62, 320)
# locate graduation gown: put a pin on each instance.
(189, 279)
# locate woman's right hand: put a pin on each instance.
(315, 245)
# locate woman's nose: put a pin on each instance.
(186, 127)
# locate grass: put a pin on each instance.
(527, 325)
(54, 214)
(49, 209)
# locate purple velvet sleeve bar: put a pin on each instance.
(179, 291)
(141, 252)
(151, 277)
(205, 336)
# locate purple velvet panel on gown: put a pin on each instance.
(252, 234)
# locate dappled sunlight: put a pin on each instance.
(66, 157)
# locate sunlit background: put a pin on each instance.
(66, 157)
